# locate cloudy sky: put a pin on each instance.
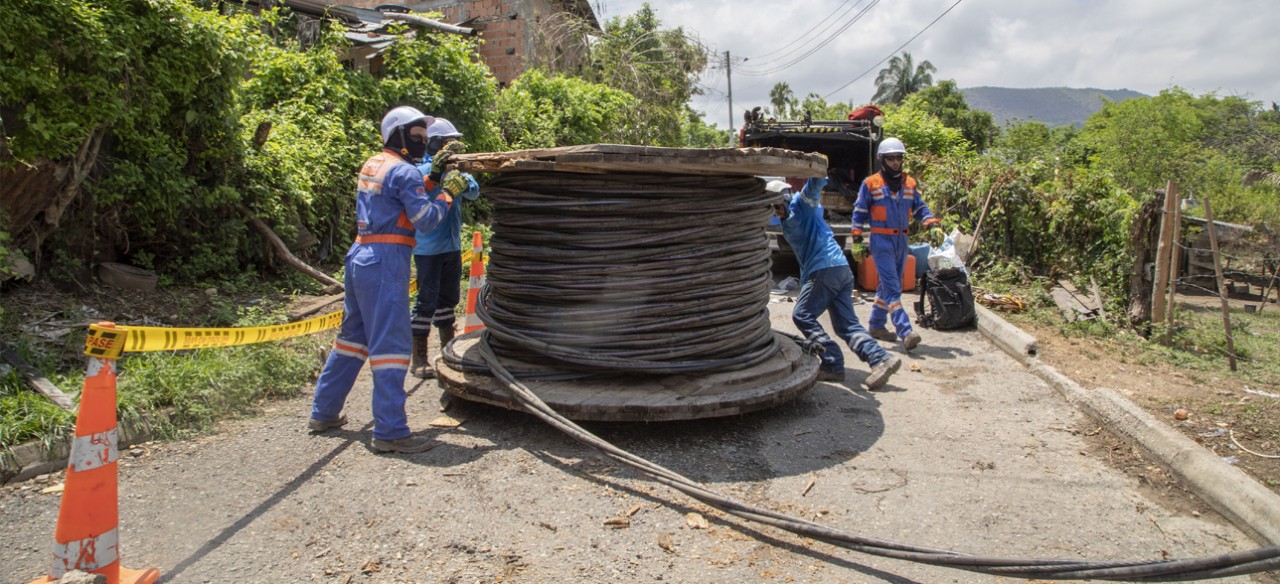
(1229, 46)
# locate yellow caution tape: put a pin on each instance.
(107, 341)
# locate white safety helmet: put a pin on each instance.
(891, 146)
(402, 116)
(442, 128)
(777, 187)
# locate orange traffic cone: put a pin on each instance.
(86, 538)
(475, 283)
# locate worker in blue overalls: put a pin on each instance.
(391, 201)
(888, 199)
(826, 285)
(438, 253)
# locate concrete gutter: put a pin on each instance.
(1248, 504)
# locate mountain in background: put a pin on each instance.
(1053, 106)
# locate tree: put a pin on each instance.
(659, 66)
(782, 98)
(947, 103)
(900, 79)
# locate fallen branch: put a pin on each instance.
(36, 380)
(283, 250)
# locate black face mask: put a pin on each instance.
(417, 147)
(435, 144)
(406, 144)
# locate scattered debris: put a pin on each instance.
(1232, 434)
(1261, 393)
(1073, 304)
(1003, 302)
(618, 522)
(808, 487)
(665, 542)
(54, 489)
(1181, 414)
(445, 422)
(696, 520)
(633, 510)
(371, 566)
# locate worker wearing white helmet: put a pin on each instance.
(886, 202)
(438, 252)
(391, 201)
(826, 285)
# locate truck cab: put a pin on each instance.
(849, 145)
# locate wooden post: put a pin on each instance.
(1266, 292)
(1163, 248)
(1222, 284)
(1175, 261)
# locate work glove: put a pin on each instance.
(455, 183)
(441, 160)
(936, 236)
(859, 250)
(856, 236)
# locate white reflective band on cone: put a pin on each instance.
(96, 365)
(475, 282)
(87, 554)
(90, 452)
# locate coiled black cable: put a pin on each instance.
(629, 273)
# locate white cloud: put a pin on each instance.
(1144, 45)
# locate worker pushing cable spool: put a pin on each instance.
(656, 271)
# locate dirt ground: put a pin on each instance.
(964, 450)
(1221, 415)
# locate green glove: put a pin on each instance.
(455, 183)
(441, 160)
(859, 251)
(936, 236)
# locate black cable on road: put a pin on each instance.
(1220, 566)
(668, 274)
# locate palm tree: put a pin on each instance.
(781, 96)
(899, 79)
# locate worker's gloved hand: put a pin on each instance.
(856, 237)
(455, 183)
(936, 236)
(441, 160)
(859, 250)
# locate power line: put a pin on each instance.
(819, 47)
(895, 51)
(829, 20)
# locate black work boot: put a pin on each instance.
(418, 364)
(446, 334)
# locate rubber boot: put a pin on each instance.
(446, 335)
(418, 364)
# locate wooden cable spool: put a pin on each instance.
(542, 323)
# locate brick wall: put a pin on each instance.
(506, 40)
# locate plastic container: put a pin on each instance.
(920, 252)
(867, 277)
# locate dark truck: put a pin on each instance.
(849, 145)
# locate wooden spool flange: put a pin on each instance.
(635, 398)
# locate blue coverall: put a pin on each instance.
(889, 214)
(438, 257)
(391, 201)
(826, 282)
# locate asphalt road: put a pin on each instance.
(964, 450)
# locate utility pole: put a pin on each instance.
(728, 73)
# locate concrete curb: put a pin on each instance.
(1244, 501)
(32, 459)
